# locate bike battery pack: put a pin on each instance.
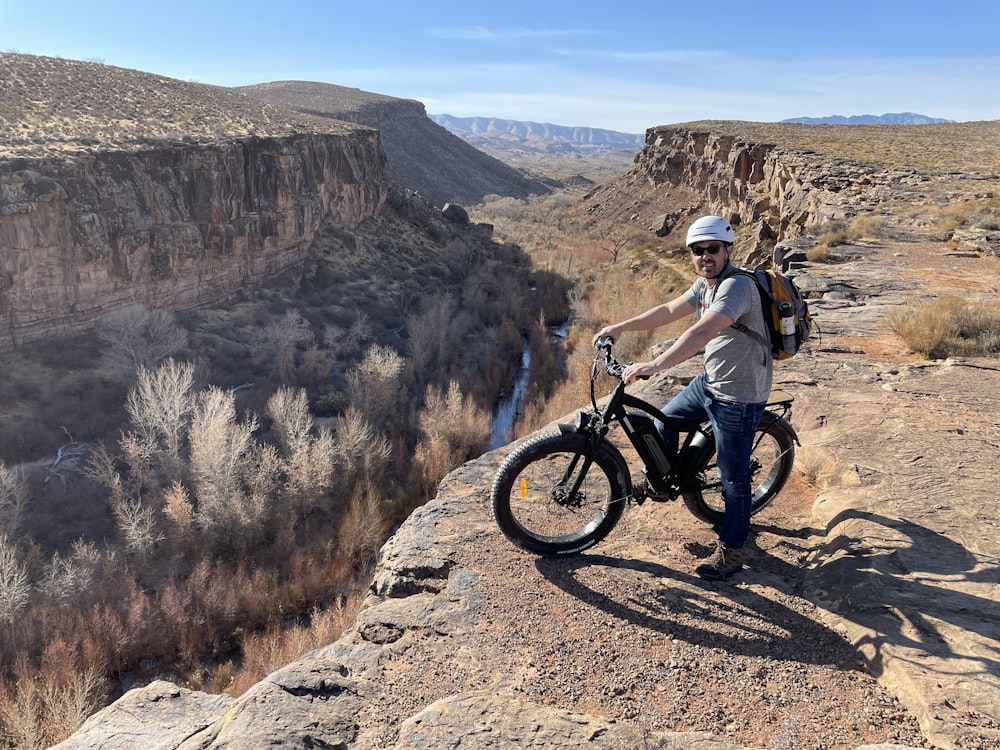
(647, 441)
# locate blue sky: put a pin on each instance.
(621, 65)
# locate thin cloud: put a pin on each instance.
(645, 57)
(484, 34)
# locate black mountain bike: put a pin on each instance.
(560, 493)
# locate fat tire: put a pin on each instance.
(529, 516)
(771, 465)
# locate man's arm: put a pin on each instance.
(688, 344)
(654, 317)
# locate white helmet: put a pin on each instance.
(710, 228)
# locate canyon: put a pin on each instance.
(869, 615)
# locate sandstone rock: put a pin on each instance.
(176, 226)
(976, 239)
(158, 716)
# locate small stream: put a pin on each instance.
(510, 408)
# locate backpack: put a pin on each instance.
(786, 313)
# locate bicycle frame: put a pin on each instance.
(667, 470)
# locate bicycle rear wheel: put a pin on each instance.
(533, 501)
(770, 466)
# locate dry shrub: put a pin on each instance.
(179, 510)
(47, 706)
(363, 527)
(821, 470)
(454, 430)
(867, 226)
(569, 397)
(949, 327)
(13, 499)
(836, 233)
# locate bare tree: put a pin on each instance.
(220, 452)
(430, 332)
(288, 409)
(308, 460)
(139, 337)
(137, 526)
(279, 341)
(13, 499)
(160, 404)
(359, 449)
(14, 586)
(374, 385)
(66, 577)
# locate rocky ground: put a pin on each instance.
(789, 653)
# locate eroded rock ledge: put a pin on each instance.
(790, 190)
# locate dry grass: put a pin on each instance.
(949, 327)
(821, 470)
(863, 227)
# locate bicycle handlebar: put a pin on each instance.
(612, 366)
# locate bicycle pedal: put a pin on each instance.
(643, 492)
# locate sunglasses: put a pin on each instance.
(711, 250)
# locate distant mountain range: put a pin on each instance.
(902, 118)
(569, 138)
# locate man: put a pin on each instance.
(732, 390)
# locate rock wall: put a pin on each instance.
(786, 189)
(174, 227)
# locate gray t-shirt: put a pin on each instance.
(738, 366)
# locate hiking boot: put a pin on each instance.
(723, 563)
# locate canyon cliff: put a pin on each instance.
(173, 227)
(781, 181)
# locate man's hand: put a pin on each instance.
(639, 371)
(608, 332)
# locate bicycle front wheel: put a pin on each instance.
(554, 495)
(770, 466)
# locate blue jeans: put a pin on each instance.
(734, 425)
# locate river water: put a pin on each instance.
(511, 408)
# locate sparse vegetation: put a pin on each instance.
(931, 149)
(949, 327)
(55, 106)
(834, 233)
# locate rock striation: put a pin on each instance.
(173, 227)
(788, 190)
